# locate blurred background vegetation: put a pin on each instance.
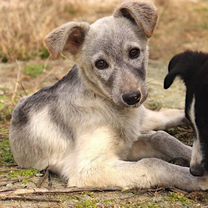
(183, 24)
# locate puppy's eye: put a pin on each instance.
(134, 53)
(101, 64)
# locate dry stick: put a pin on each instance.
(17, 82)
(23, 88)
(22, 198)
(42, 179)
(12, 193)
(176, 190)
(11, 182)
(9, 168)
(159, 189)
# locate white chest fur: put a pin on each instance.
(196, 157)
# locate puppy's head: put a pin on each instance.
(112, 53)
(185, 65)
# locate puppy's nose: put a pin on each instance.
(131, 98)
(197, 170)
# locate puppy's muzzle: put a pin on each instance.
(131, 98)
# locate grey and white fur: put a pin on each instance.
(88, 127)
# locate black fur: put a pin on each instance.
(192, 68)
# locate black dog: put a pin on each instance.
(192, 68)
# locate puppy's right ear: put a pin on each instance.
(68, 37)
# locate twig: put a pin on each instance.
(22, 198)
(12, 167)
(23, 88)
(157, 189)
(145, 190)
(11, 182)
(176, 190)
(18, 192)
(46, 175)
(17, 82)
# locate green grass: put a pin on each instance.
(2, 101)
(151, 205)
(17, 174)
(1, 106)
(6, 157)
(203, 12)
(71, 10)
(43, 54)
(5, 113)
(34, 70)
(3, 58)
(204, 26)
(88, 204)
(180, 198)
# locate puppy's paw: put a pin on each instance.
(174, 117)
(203, 183)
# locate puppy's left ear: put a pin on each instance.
(139, 12)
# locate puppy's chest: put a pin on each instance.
(108, 135)
(104, 141)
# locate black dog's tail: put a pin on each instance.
(170, 77)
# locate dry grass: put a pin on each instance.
(183, 25)
(25, 23)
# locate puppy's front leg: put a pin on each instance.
(146, 173)
(153, 172)
(160, 120)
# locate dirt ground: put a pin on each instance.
(16, 80)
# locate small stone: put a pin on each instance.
(1, 92)
(9, 185)
(39, 175)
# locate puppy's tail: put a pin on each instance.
(170, 77)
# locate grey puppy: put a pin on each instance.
(88, 126)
